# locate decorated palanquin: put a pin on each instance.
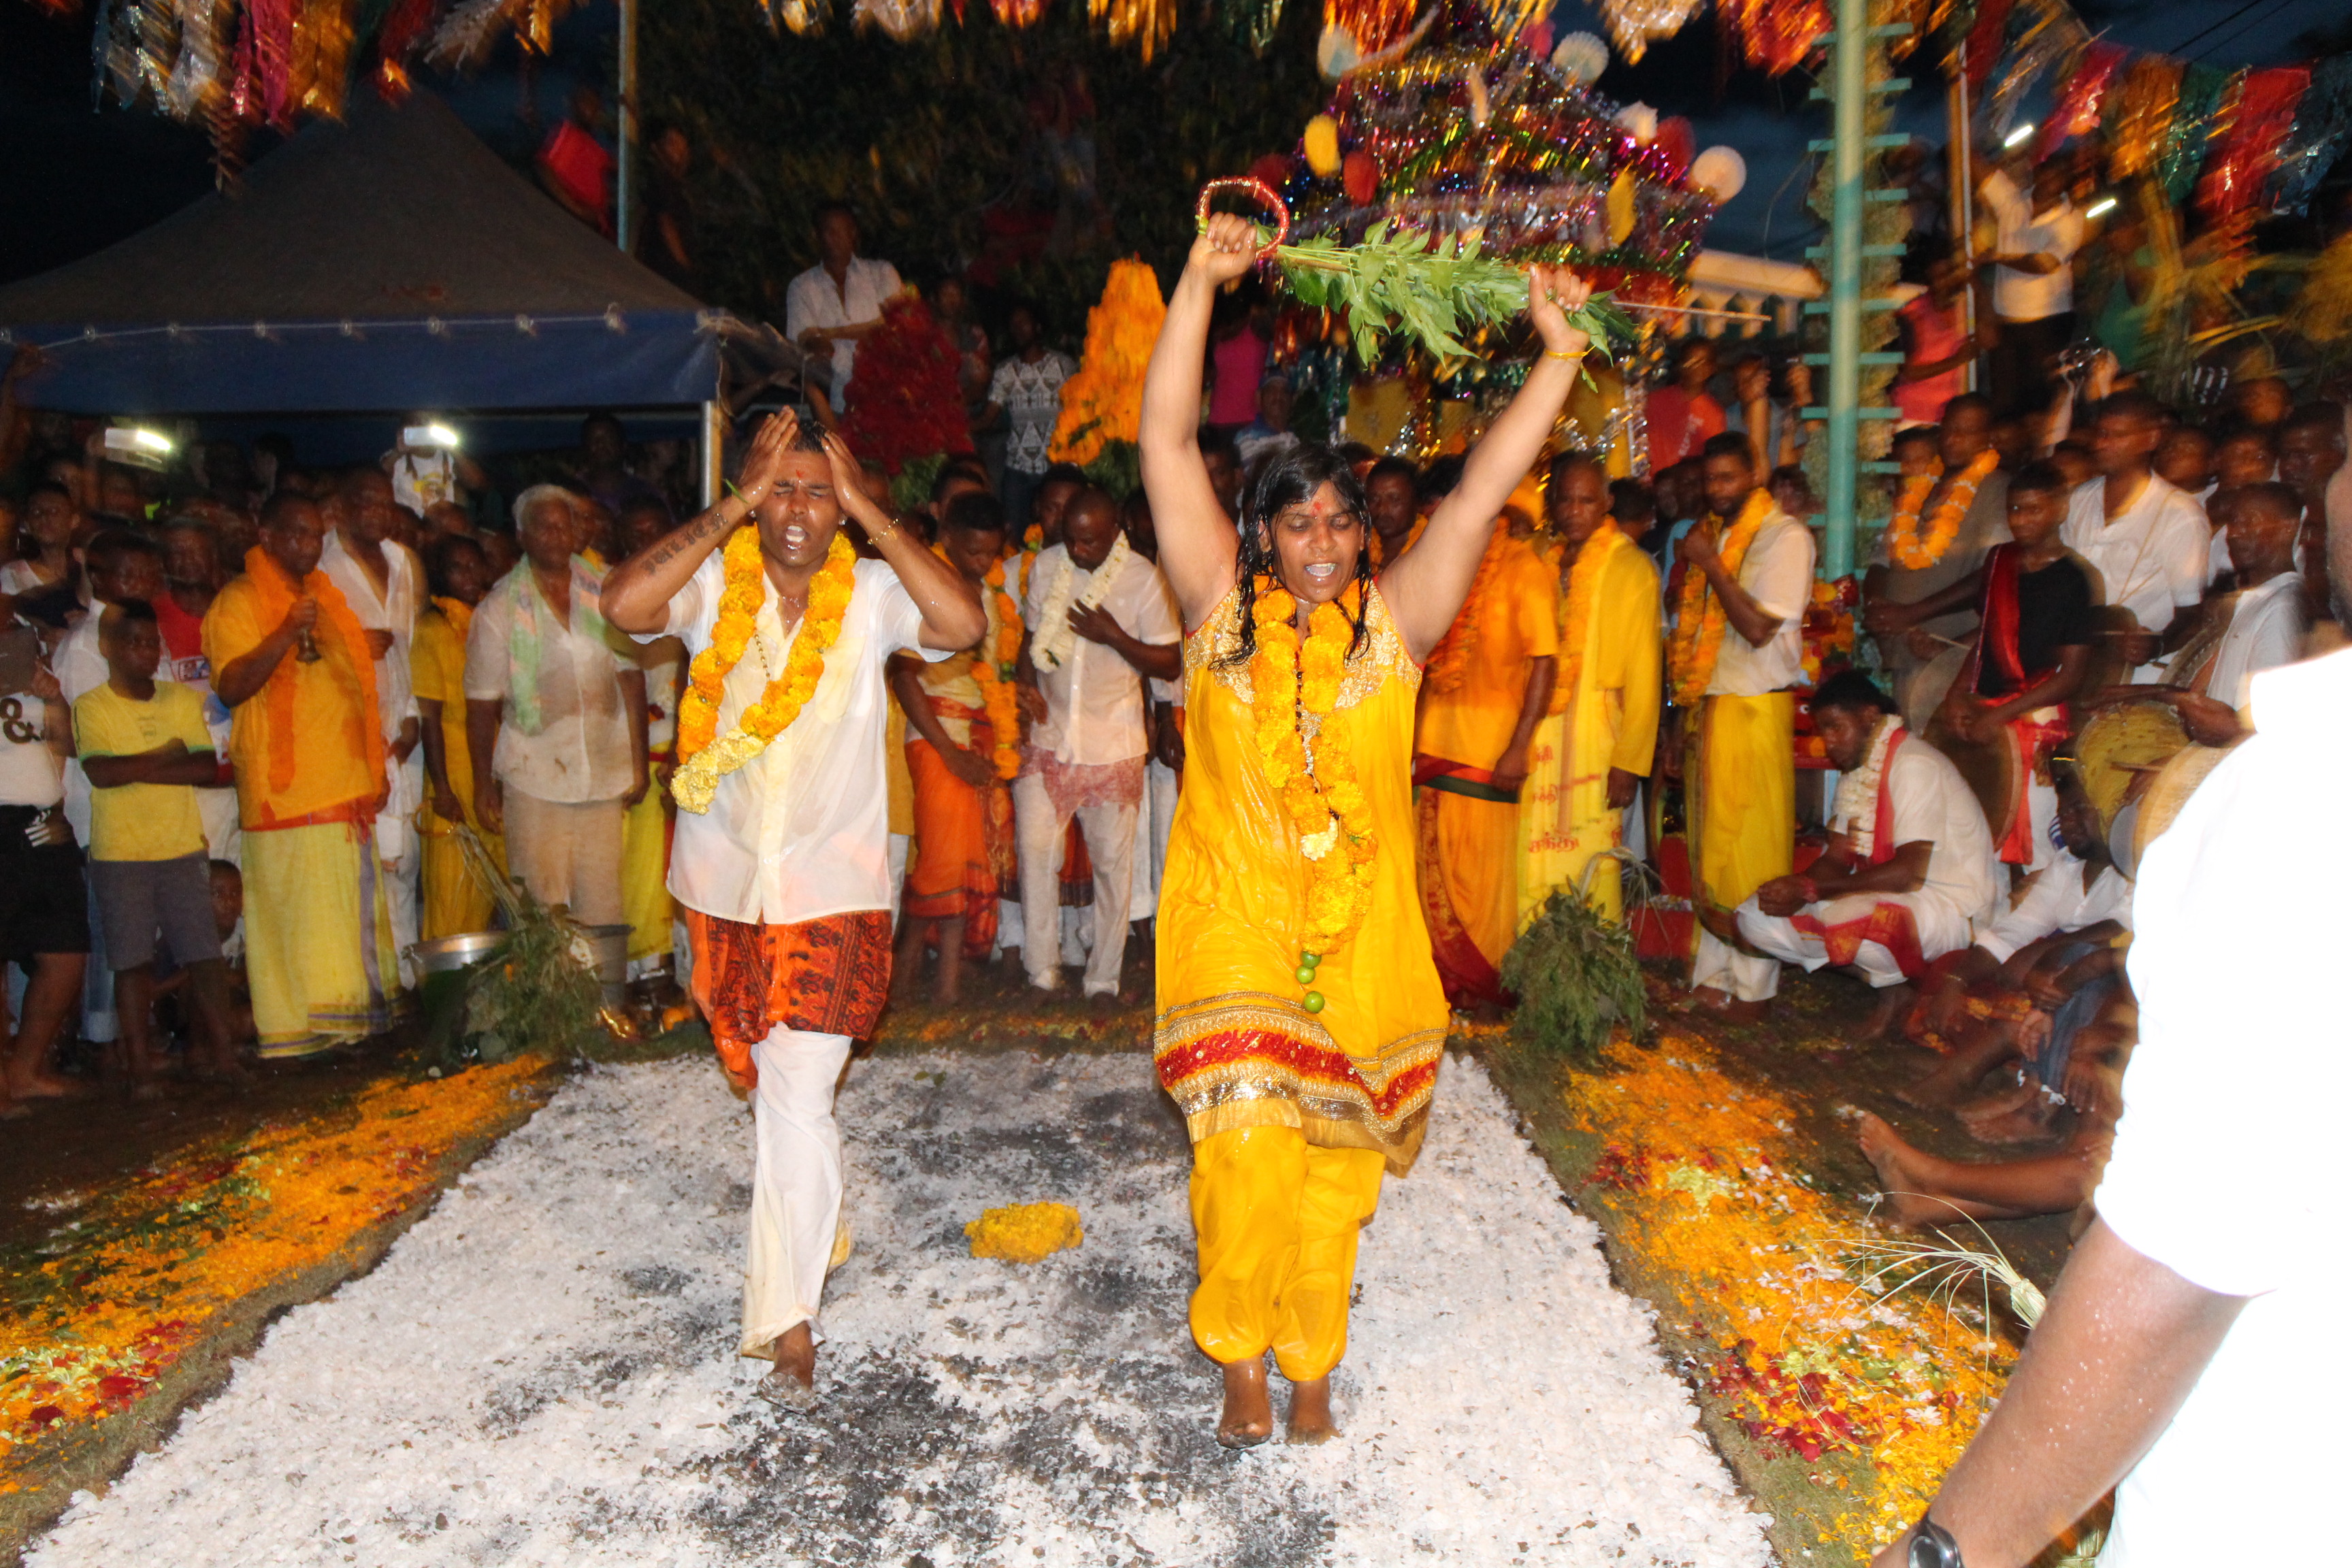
(1249, 1033)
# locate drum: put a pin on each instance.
(2120, 749)
(2158, 804)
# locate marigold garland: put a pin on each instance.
(1905, 545)
(1103, 400)
(1326, 800)
(1000, 651)
(1700, 619)
(704, 760)
(1576, 610)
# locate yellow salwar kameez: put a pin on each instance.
(456, 901)
(1294, 1115)
(1605, 715)
(1466, 829)
(309, 759)
(645, 903)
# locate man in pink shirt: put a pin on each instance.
(1683, 415)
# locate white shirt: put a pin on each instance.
(581, 752)
(2150, 560)
(1777, 573)
(1929, 800)
(800, 831)
(393, 610)
(2056, 231)
(80, 667)
(421, 479)
(2265, 631)
(2227, 1162)
(2057, 900)
(812, 301)
(1093, 703)
(31, 774)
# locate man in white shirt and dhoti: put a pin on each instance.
(781, 857)
(2147, 540)
(1101, 622)
(1910, 866)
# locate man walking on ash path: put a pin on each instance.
(781, 858)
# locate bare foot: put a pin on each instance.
(1893, 1003)
(42, 1086)
(1714, 998)
(2001, 1102)
(793, 1382)
(1902, 1175)
(1938, 1088)
(1310, 1412)
(2026, 1123)
(1248, 1418)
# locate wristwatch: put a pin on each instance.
(1932, 1545)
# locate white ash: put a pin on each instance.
(543, 1369)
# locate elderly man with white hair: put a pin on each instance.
(555, 700)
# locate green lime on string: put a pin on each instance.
(1314, 1002)
(1307, 975)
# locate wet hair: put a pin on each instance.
(2041, 477)
(1731, 444)
(437, 555)
(1284, 478)
(976, 512)
(1854, 692)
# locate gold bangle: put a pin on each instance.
(879, 538)
(1563, 353)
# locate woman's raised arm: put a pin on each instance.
(1425, 586)
(1197, 549)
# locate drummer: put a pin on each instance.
(1910, 865)
(2266, 612)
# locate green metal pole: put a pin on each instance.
(1849, 143)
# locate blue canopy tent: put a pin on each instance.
(384, 263)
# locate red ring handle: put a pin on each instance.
(1259, 192)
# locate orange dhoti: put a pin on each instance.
(963, 840)
(826, 976)
(1466, 843)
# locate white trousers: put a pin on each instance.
(1160, 784)
(401, 862)
(1110, 844)
(1938, 927)
(795, 1184)
(902, 847)
(1724, 967)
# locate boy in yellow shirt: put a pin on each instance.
(145, 747)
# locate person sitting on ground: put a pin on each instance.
(963, 810)
(147, 749)
(2054, 950)
(1909, 867)
(2241, 457)
(2032, 652)
(2264, 625)
(1392, 508)
(2146, 539)
(229, 920)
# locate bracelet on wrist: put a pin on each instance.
(1564, 353)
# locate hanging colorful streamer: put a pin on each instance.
(1373, 23)
(1776, 34)
(2139, 115)
(2266, 103)
(2202, 89)
(1635, 23)
(2077, 110)
(2323, 130)
(1984, 41)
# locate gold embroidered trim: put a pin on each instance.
(1384, 651)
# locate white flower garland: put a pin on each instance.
(1053, 642)
(1857, 794)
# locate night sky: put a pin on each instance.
(94, 177)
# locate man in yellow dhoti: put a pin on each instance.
(1735, 661)
(456, 899)
(1594, 748)
(293, 665)
(1300, 1015)
(1487, 686)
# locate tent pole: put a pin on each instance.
(625, 176)
(714, 432)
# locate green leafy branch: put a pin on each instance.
(1398, 281)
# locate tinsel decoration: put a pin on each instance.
(2235, 174)
(1635, 23)
(1374, 25)
(471, 30)
(2139, 115)
(2051, 36)
(903, 21)
(2202, 87)
(2322, 128)
(1983, 40)
(2077, 113)
(1151, 23)
(321, 67)
(1776, 34)
(905, 403)
(1018, 13)
(1580, 58)
(195, 82)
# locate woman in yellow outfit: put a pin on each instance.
(1301, 1019)
(456, 901)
